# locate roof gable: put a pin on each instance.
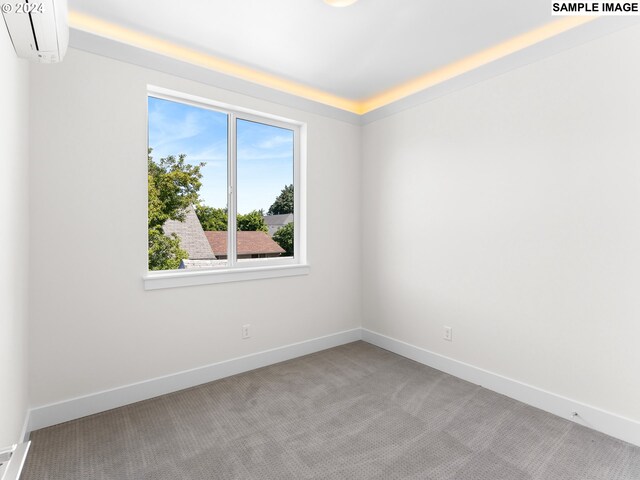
(192, 237)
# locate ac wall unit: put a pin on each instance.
(38, 29)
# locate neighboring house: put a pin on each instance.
(192, 240)
(209, 249)
(275, 222)
(250, 245)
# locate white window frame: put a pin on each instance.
(243, 269)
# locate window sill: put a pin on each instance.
(176, 278)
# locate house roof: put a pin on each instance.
(192, 238)
(276, 222)
(279, 220)
(248, 243)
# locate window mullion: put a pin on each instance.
(232, 158)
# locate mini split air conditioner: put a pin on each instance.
(38, 29)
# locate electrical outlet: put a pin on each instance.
(246, 331)
(448, 334)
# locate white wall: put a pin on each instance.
(94, 327)
(14, 163)
(507, 210)
(510, 211)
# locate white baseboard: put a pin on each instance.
(24, 435)
(74, 408)
(592, 417)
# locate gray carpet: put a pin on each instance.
(352, 412)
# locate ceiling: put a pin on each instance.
(354, 54)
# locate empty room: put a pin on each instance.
(320, 239)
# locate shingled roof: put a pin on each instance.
(192, 238)
(249, 243)
(276, 222)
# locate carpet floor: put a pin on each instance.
(351, 412)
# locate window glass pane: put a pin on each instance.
(264, 191)
(187, 186)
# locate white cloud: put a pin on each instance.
(169, 130)
(275, 142)
(216, 152)
(251, 154)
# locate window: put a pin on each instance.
(225, 193)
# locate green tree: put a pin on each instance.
(283, 203)
(211, 218)
(284, 238)
(173, 185)
(216, 219)
(164, 251)
(252, 221)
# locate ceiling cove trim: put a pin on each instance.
(112, 31)
(357, 108)
(476, 60)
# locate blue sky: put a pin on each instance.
(265, 153)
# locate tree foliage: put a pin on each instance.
(212, 219)
(283, 203)
(284, 238)
(252, 221)
(216, 219)
(164, 251)
(173, 186)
